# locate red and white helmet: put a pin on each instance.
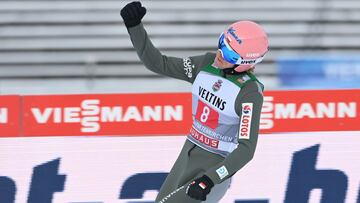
(248, 40)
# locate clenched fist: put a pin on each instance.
(132, 14)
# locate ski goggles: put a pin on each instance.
(231, 56)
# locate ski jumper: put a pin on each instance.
(226, 114)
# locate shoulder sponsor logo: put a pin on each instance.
(245, 122)
(222, 172)
(3, 115)
(243, 79)
(188, 67)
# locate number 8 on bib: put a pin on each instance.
(206, 115)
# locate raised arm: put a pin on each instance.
(180, 68)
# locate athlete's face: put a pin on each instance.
(220, 61)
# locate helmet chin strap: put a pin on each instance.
(232, 71)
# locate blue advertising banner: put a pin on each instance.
(319, 72)
(312, 167)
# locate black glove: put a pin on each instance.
(132, 13)
(199, 188)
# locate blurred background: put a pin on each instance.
(80, 46)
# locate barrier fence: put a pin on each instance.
(168, 113)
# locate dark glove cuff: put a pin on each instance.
(207, 181)
(131, 23)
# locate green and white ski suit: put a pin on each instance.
(226, 115)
